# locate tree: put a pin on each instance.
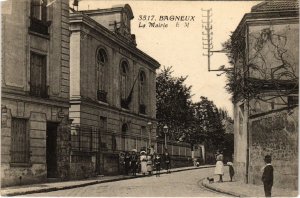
(174, 105)
(208, 123)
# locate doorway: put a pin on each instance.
(51, 149)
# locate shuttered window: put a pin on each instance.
(38, 75)
(19, 141)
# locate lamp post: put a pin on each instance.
(165, 132)
(150, 130)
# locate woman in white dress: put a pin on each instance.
(143, 160)
(219, 170)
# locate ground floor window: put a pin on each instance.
(19, 141)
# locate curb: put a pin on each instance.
(216, 189)
(94, 182)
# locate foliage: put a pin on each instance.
(173, 103)
(270, 66)
(208, 123)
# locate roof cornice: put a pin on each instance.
(272, 15)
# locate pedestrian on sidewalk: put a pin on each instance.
(267, 176)
(127, 163)
(219, 169)
(157, 162)
(231, 170)
(134, 161)
(167, 162)
(143, 160)
(149, 163)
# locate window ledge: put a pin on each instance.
(103, 103)
(123, 109)
(14, 164)
(39, 34)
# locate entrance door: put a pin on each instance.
(51, 145)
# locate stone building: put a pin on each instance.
(35, 91)
(112, 91)
(266, 49)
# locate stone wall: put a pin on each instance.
(276, 134)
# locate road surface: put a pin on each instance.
(177, 184)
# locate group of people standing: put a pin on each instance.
(145, 162)
(219, 170)
(267, 175)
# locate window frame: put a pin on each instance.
(39, 22)
(101, 73)
(124, 82)
(44, 88)
(26, 146)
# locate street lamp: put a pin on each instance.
(165, 132)
(150, 130)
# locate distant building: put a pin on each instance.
(113, 95)
(266, 43)
(35, 91)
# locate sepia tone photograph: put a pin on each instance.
(149, 98)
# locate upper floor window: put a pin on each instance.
(142, 92)
(38, 75)
(38, 16)
(101, 75)
(124, 85)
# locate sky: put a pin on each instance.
(181, 46)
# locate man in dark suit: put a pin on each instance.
(267, 176)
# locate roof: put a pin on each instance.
(268, 10)
(269, 6)
(115, 8)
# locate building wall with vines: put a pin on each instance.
(264, 84)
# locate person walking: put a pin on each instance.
(143, 160)
(219, 169)
(267, 176)
(167, 162)
(157, 162)
(231, 170)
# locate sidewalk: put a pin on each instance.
(47, 187)
(240, 189)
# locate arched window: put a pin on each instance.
(142, 92)
(101, 60)
(124, 84)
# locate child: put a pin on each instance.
(267, 177)
(231, 170)
(157, 161)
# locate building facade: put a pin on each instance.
(113, 96)
(35, 91)
(266, 45)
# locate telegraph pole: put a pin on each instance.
(207, 34)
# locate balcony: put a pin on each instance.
(39, 91)
(102, 95)
(142, 108)
(39, 26)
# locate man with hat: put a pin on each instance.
(134, 161)
(267, 176)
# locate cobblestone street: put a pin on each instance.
(179, 184)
